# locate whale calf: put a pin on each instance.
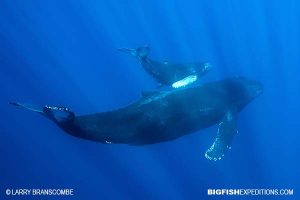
(164, 116)
(175, 75)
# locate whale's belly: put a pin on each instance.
(161, 123)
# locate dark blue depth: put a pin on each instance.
(65, 53)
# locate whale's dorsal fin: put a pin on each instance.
(226, 131)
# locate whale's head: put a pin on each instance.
(252, 88)
(245, 90)
(241, 90)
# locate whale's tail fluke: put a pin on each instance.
(27, 107)
(58, 114)
(140, 52)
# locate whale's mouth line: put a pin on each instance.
(185, 81)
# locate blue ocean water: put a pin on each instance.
(65, 53)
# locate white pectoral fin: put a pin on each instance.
(185, 81)
(226, 131)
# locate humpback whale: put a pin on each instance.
(164, 115)
(175, 75)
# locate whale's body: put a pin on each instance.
(165, 116)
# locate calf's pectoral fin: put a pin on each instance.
(226, 131)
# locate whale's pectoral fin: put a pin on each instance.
(58, 114)
(226, 131)
(185, 81)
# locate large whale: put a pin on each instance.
(174, 75)
(164, 116)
